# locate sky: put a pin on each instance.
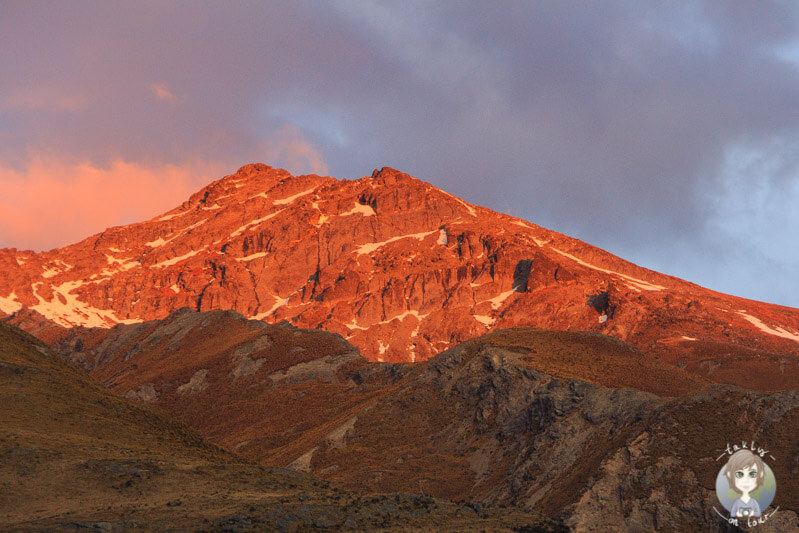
(664, 132)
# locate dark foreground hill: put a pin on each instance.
(74, 457)
(578, 426)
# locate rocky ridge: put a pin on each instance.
(75, 457)
(396, 266)
(578, 426)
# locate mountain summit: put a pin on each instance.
(401, 269)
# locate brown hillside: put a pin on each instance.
(521, 417)
(75, 457)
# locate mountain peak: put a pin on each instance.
(391, 175)
(252, 169)
(398, 267)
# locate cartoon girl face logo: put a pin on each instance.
(745, 485)
(745, 472)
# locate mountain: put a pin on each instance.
(579, 426)
(399, 268)
(388, 337)
(75, 457)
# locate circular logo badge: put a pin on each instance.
(746, 485)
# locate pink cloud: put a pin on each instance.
(41, 98)
(287, 148)
(162, 92)
(51, 203)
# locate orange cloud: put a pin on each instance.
(50, 203)
(163, 93)
(288, 149)
(40, 98)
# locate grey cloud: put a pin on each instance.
(609, 121)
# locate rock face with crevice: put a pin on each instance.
(399, 268)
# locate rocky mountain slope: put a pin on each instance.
(579, 426)
(400, 269)
(75, 457)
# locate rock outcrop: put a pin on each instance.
(75, 457)
(397, 267)
(578, 426)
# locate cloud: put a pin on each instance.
(436, 55)
(609, 121)
(44, 99)
(288, 149)
(51, 203)
(161, 92)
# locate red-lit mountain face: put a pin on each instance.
(398, 267)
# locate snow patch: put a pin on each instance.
(160, 240)
(688, 338)
(189, 228)
(369, 248)
(49, 273)
(638, 283)
(381, 347)
(168, 217)
(9, 304)
(483, 319)
(498, 300)
(279, 303)
(66, 310)
(404, 315)
(175, 260)
(442, 237)
(523, 224)
(157, 242)
(292, 198)
(365, 210)
(111, 260)
(247, 226)
(539, 242)
(322, 217)
(252, 256)
(122, 265)
(354, 325)
(471, 210)
(778, 332)
(53, 268)
(259, 195)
